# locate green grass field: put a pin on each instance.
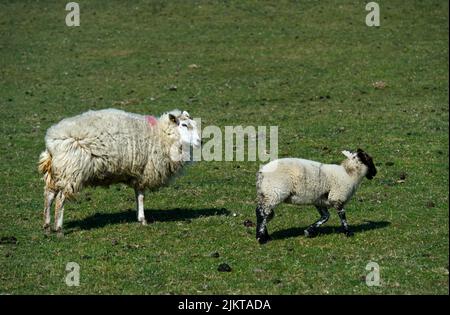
(307, 67)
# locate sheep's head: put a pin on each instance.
(366, 159)
(361, 157)
(179, 126)
(183, 133)
(187, 127)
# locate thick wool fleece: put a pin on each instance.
(109, 146)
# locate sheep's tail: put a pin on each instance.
(259, 194)
(45, 162)
(45, 168)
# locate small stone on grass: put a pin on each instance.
(224, 268)
(8, 240)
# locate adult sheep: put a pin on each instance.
(300, 181)
(104, 147)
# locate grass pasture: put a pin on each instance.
(308, 67)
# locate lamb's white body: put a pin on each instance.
(109, 146)
(301, 181)
(305, 182)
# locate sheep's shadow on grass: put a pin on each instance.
(324, 230)
(99, 220)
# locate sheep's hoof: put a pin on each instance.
(349, 233)
(142, 221)
(263, 238)
(59, 233)
(310, 232)
(47, 230)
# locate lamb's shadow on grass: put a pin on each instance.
(324, 230)
(99, 220)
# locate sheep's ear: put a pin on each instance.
(347, 154)
(173, 119)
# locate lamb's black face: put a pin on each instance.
(367, 160)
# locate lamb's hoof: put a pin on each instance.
(263, 238)
(59, 233)
(349, 233)
(310, 232)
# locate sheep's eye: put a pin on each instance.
(184, 125)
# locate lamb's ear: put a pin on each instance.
(173, 119)
(347, 154)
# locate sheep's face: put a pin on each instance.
(367, 161)
(187, 127)
(361, 157)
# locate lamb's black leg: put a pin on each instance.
(262, 217)
(311, 231)
(341, 213)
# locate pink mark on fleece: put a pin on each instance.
(152, 121)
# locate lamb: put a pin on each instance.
(104, 147)
(305, 182)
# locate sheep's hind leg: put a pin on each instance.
(342, 217)
(263, 215)
(311, 231)
(59, 213)
(140, 206)
(49, 195)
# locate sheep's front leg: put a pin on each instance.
(342, 217)
(263, 215)
(140, 206)
(311, 231)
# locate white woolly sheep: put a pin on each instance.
(305, 182)
(99, 148)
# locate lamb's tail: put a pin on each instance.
(45, 168)
(259, 194)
